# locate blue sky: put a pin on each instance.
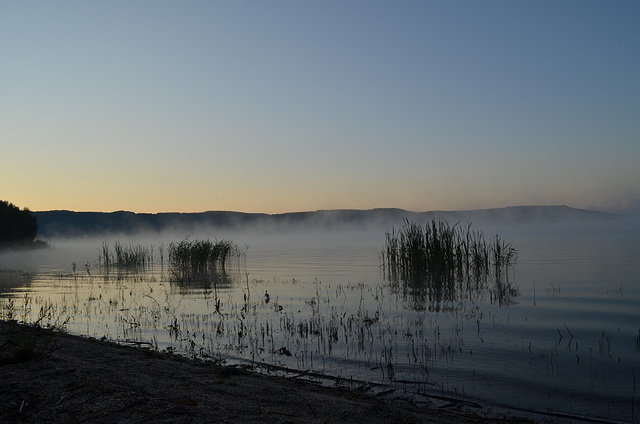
(276, 106)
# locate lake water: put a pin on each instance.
(563, 339)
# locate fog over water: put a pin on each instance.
(566, 340)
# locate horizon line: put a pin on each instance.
(327, 210)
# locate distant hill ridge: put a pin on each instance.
(73, 224)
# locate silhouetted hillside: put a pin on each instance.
(18, 227)
(79, 224)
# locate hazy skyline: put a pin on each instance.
(281, 106)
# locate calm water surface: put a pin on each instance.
(565, 338)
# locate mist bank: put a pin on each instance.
(63, 223)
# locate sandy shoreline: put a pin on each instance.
(52, 377)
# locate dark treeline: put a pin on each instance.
(18, 227)
(75, 224)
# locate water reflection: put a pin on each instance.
(212, 280)
(12, 279)
(438, 295)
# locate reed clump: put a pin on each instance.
(439, 252)
(192, 259)
(126, 256)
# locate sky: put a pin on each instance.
(281, 106)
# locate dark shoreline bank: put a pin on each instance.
(70, 378)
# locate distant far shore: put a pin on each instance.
(62, 223)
